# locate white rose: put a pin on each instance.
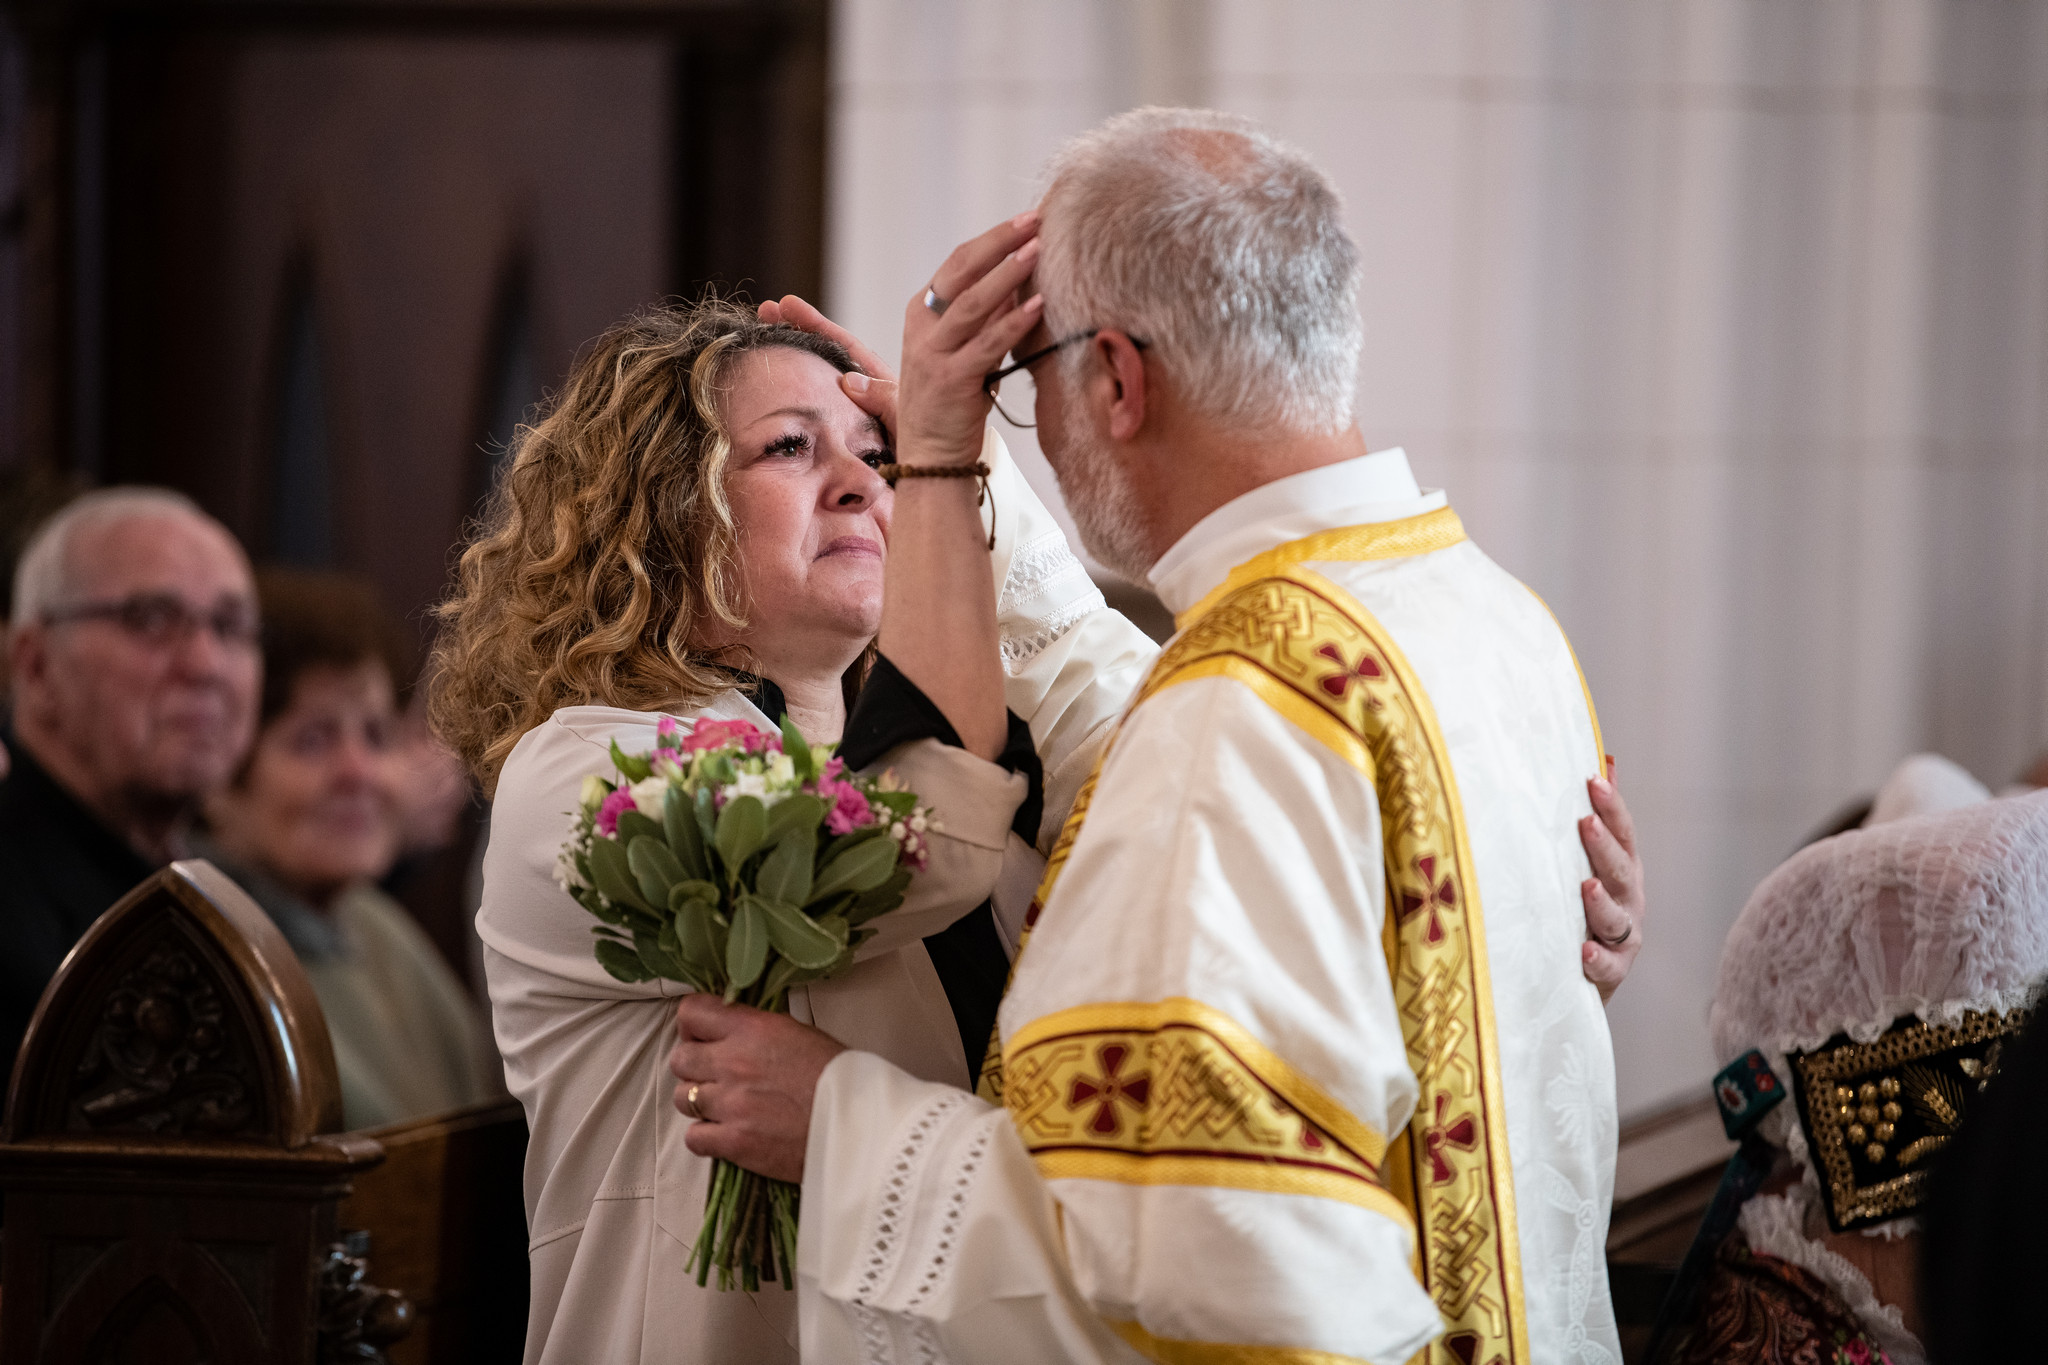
(593, 794)
(648, 794)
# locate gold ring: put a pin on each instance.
(690, 1102)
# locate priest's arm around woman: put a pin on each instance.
(697, 528)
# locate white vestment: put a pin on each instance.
(1232, 1067)
(613, 1198)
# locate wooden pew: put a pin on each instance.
(176, 1190)
(447, 1224)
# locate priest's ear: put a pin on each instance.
(1123, 377)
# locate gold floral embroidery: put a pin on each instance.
(1873, 1113)
(1175, 1092)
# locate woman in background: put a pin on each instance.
(311, 823)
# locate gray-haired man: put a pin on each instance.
(1301, 1060)
(133, 652)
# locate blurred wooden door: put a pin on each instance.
(307, 260)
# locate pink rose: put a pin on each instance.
(667, 734)
(849, 809)
(614, 805)
(717, 734)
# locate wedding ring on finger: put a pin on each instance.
(690, 1102)
(934, 302)
(1608, 943)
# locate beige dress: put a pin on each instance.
(614, 1199)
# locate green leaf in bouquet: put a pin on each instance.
(781, 976)
(588, 898)
(721, 933)
(742, 828)
(881, 900)
(691, 890)
(633, 825)
(898, 804)
(621, 961)
(707, 819)
(685, 840)
(794, 934)
(863, 867)
(631, 768)
(716, 770)
(746, 949)
(656, 958)
(785, 873)
(692, 973)
(837, 929)
(695, 945)
(798, 812)
(798, 749)
(846, 841)
(654, 867)
(614, 876)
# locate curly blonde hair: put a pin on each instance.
(608, 547)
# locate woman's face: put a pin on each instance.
(318, 808)
(812, 514)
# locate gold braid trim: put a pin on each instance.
(1167, 1351)
(1178, 1093)
(1312, 652)
(1436, 530)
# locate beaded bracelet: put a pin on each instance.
(978, 470)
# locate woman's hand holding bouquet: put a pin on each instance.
(741, 863)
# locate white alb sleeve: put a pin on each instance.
(928, 1235)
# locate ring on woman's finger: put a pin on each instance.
(1609, 943)
(690, 1102)
(934, 302)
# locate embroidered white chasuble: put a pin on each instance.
(1299, 1063)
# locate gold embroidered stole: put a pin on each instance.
(1174, 1093)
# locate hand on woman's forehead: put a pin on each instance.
(778, 383)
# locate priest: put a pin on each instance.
(1300, 1060)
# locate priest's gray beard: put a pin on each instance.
(1105, 509)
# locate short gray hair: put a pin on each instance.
(45, 579)
(1223, 249)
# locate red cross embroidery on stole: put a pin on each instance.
(1338, 685)
(1435, 897)
(1108, 1089)
(1463, 1134)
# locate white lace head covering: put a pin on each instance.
(1931, 915)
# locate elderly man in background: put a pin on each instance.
(133, 651)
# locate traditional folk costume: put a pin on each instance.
(1299, 1063)
(1875, 979)
(613, 1198)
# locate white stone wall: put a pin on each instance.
(1724, 321)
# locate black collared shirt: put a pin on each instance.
(62, 870)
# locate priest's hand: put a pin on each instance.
(1615, 909)
(873, 387)
(747, 1077)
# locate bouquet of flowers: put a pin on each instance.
(742, 862)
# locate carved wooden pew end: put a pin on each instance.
(170, 1162)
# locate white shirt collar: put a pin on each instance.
(1375, 487)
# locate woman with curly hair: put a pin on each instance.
(696, 528)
